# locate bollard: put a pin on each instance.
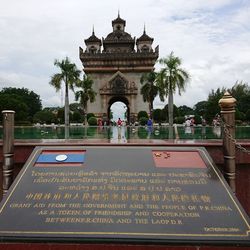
(227, 104)
(8, 148)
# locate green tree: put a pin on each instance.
(239, 116)
(12, 102)
(185, 110)
(248, 115)
(241, 92)
(69, 76)
(75, 106)
(212, 106)
(44, 116)
(13, 98)
(165, 112)
(197, 119)
(157, 115)
(24, 102)
(60, 115)
(85, 94)
(179, 119)
(170, 78)
(200, 108)
(76, 116)
(149, 89)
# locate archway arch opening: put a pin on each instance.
(118, 108)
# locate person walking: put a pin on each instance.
(119, 122)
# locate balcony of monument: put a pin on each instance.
(111, 69)
(118, 64)
(118, 55)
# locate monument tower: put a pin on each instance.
(116, 66)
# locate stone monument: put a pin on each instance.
(116, 68)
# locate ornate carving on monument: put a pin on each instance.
(117, 51)
(119, 85)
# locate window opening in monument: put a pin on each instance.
(118, 110)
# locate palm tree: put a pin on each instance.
(149, 90)
(169, 79)
(85, 94)
(69, 75)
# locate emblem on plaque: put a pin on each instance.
(55, 158)
(61, 157)
(178, 159)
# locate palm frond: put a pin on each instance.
(56, 81)
(86, 93)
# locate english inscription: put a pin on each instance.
(129, 198)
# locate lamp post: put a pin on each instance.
(8, 148)
(227, 104)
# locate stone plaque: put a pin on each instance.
(158, 195)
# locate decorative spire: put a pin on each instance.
(144, 37)
(93, 37)
(119, 20)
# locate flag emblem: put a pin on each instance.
(178, 159)
(60, 158)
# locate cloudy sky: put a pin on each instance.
(211, 36)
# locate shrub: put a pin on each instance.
(92, 121)
(23, 123)
(143, 121)
(142, 114)
(76, 117)
(90, 115)
(179, 119)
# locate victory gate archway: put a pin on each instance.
(122, 99)
(116, 67)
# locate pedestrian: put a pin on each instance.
(119, 122)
